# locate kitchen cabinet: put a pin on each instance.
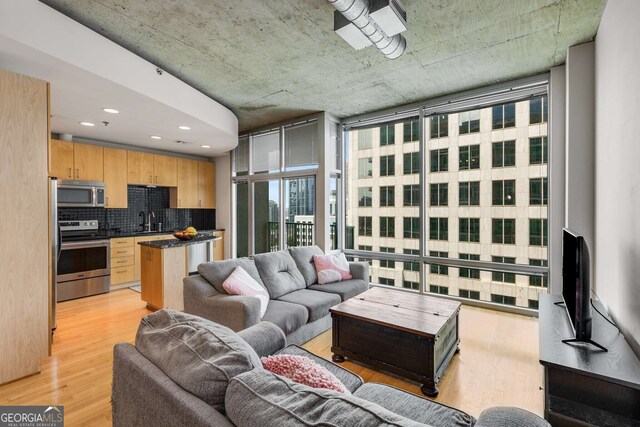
(61, 159)
(206, 185)
(88, 162)
(151, 169)
(186, 193)
(165, 172)
(122, 260)
(162, 273)
(115, 178)
(218, 246)
(137, 251)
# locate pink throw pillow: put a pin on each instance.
(241, 283)
(331, 268)
(303, 370)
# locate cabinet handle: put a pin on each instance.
(121, 271)
(107, 201)
(77, 173)
(156, 179)
(151, 179)
(70, 176)
(179, 202)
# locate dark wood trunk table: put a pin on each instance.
(414, 336)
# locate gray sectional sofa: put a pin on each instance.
(187, 371)
(297, 303)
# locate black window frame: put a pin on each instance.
(469, 229)
(469, 157)
(365, 226)
(501, 189)
(498, 229)
(439, 194)
(388, 165)
(411, 163)
(387, 196)
(503, 154)
(466, 192)
(363, 200)
(387, 226)
(413, 191)
(413, 229)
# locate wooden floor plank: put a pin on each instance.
(498, 363)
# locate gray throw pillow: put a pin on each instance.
(197, 354)
(279, 273)
(303, 256)
(216, 272)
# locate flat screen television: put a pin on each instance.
(576, 287)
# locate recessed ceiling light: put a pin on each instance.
(184, 127)
(156, 137)
(87, 124)
(205, 146)
(110, 110)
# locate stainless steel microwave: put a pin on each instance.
(81, 194)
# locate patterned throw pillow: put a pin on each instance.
(331, 268)
(241, 283)
(303, 370)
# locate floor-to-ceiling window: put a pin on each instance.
(274, 183)
(451, 198)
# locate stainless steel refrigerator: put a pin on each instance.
(54, 234)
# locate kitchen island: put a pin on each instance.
(164, 263)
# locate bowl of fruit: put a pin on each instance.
(187, 234)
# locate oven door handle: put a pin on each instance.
(85, 244)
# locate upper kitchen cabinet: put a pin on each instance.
(70, 160)
(206, 185)
(88, 162)
(186, 194)
(115, 178)
(61, 159)
(151, 169)
(165, 171)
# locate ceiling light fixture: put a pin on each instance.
(110, 110)
(205, 146)
(184, 127)
(87, 124)
(364, 22)
(156, 137)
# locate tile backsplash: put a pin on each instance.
(143, 200)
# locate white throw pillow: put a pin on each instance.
(241, 283)
(331, 268)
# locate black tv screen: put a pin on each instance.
(576, 287)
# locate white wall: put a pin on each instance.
(617, 148)
(223, 199)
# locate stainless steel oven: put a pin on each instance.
(80, 194)
(84, 265)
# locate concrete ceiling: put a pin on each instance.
(274, 60)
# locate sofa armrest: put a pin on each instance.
(503, 416)
(233, 311)
(359, 270)
(265, 338)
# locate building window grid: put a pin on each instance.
(503, 230)
(439, 126)
(503, 116)
(469, 193)
(538, 110)
(503, 277)
(538, 150)
(503, 192)
(437, 268)
(469, 294)
(538, 231)
(411, 163)
(439, 194)
(409, 265)
(365, 167)
(387, 135)
(538, 191)
(411, 131)
(469, 230)
(387, 196)
(503, 154)
(469, 157)
(439, 228)
(364, 196)
(386, 281)
(439, 160)
(365, 226)
(387, 165)
(503, 299)
(469, 273)
(411, 227)
(537, 280)
(387, 226)
(411, 195)
(439, 289)
(387, 263)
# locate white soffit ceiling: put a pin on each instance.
(88, 72)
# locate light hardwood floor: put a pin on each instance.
(497, 365)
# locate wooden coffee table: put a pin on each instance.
(414, 336)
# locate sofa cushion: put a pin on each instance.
(345, 289)
(318, 303)
(279, 273)
(199, 355)
(260, 398)
(303, 256)
(216, 272)
(303, 370)
(241, 283)
(414, 407)
(288, 317)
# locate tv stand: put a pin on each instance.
(572, 340)
(584, 386)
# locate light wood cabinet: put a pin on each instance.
(162, 272)
(186, 193)
(88, 162)
(165, 172)
(218, 246)
(115, 178)
(206, 185)
(122, 260)
(61, 159)
(138, 250)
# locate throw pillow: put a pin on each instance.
(241, 283)
(331, 268)
(303, 370)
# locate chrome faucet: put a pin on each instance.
(147, 225)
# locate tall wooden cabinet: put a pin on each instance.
(206, 185)
(152, 169)
(115, 178)
(61, 159)
(24, 261)
(186, 193)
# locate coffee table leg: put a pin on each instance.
(337, 358)
(429, 389)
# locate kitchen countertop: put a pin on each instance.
(115, 235)
(176, 243)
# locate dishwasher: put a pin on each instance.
(197, 254)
